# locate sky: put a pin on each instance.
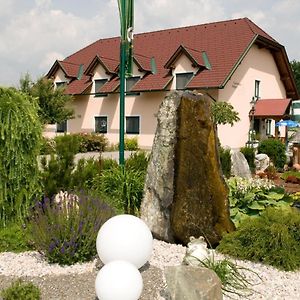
(34, 33)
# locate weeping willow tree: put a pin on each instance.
(20, 137)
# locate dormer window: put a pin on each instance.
(182, 79)
(98, 85)
(130, 82)
(60, 84)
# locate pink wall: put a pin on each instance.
(258, 64)
(239, 90)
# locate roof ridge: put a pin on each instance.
(89, 45)
(68, 62)
(248, 21)
(190, 26)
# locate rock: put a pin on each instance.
(239, 165)
(159, 183)
(185, 193)
(192, 283)
(262, 162)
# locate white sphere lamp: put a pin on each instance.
(119, 280)
(125, 237)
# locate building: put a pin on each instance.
(233, 61)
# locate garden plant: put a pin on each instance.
(20, 138)
(21, 290)
(272, 238)
(250, 197)
(65, 229)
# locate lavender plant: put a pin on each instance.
(65, 229)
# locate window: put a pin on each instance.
(98, 85)
(268, 126)
(182, 79)
(61, 127)
(130, 82)
(256, 90)
(101, 124)
(132, 125)
(60, 84)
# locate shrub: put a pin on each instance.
(273, 238)
(85, 171)
(124, 187)
(57, 172)
(90, 142)
(250, 197)
(275, 149)
(14, 238)
(249, 154)
(225, 159)
(131, 144)
(47, 146)
(20, 290)
(138, 161)
(66, 230)
(20, 139)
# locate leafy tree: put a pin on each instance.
(295, 65)
(223, 113)
(20, 139)
(53, 102)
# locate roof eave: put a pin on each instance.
(242, 56)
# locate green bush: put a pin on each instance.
(225, 159)
(20, 290)
(20, 140)
(131, 144)
(85, 171)
(272, 238)
(47, 146)
(249, 154)
(250, 197)
(57, 172)
(66, 230)
(275, 149)
(90, 142)
(123, 186)
(138, 161)
(14, 238)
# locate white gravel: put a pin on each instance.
(274, 284)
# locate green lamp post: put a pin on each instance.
(126, 49)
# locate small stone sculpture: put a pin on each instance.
(196, 251)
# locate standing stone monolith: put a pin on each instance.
(185, 193)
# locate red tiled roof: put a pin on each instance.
(224, 43)
(271, 107)
(110, 86)
(76, 87)
(194, 55)
(70, 69)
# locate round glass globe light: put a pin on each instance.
(119, 280)
(125, 237)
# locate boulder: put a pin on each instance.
(262, 162)
(239, 165)
(185, 193)
(192, 283)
